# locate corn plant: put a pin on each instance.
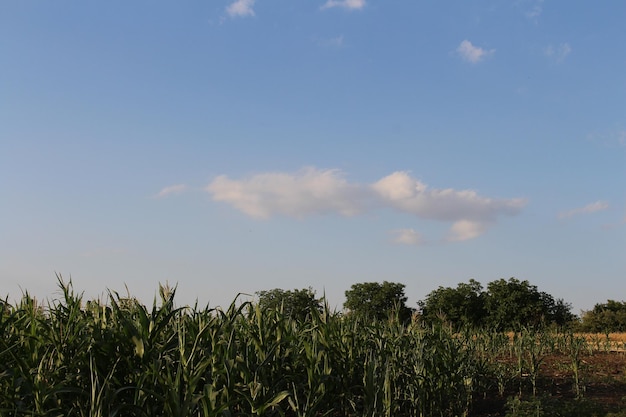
(118, 358)
(575, 345)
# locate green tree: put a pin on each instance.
(460, 306)
(297, 304)
(514, 303)
(377, 301)
(605, 318)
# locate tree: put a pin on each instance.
(514, 303)
(460, 306)
(605, 318)
(297, 304)
(377, 301)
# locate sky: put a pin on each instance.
(230, 147)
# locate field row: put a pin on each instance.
(120, 358)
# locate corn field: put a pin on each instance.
(72, 357)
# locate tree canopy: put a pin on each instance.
(605, 318)
(502, 305)
(505, 305)
(515, 303)
(297, 304)
(373, 300)
(463, 305)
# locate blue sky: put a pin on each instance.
(238, 146)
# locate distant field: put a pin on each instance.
(615, 342)
(600, 342)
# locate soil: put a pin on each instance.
(602, 388)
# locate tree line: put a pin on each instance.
(501, 305)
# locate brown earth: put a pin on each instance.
(602, 388)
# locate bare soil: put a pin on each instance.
(602, 388)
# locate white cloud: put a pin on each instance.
(172, 189)
(407, 237)
(470, 213)
(558, 53)
(311, 191)
(466, 230)
(409, 195)
(345, 4)
(589, 208)
(472, 53)
(241, 8)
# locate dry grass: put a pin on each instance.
(613, 342)
(598, 342)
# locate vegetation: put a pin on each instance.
(605, 318)
(120, 358)
(514, 303)
(461, 306)
(296, 304)
(505, 305)
(376, 301)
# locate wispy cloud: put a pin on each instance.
(472, 53)
(558, 53)
(407, 237)
(535, 10)
(402, 192)
(609, 138)
(344, 4)
(589, 208)
(241, 8)
(335, 42)
(470, 213)
(172, 189)
(466, 230)
(311, 191)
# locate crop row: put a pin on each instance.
(120, 358)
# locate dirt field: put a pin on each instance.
(602, 386)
